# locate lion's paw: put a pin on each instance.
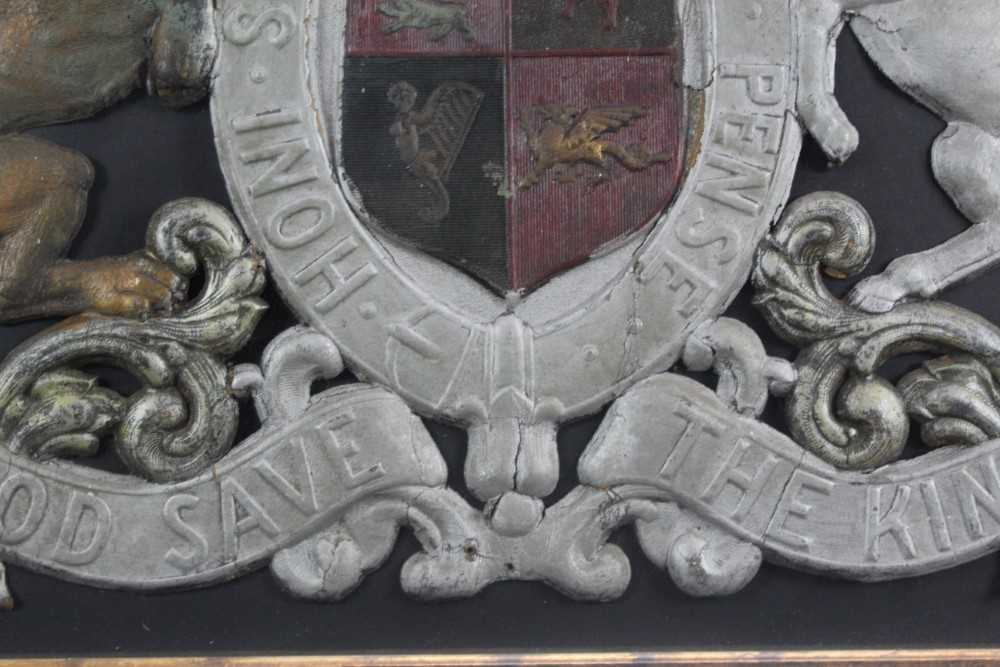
(131, 286)
(878, 294)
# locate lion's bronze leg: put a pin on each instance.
(172, 42)
(43, 200)
(182, 49)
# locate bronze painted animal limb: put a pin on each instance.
(946, 55)
(62, 60)
(43, 200)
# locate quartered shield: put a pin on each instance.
(609, 187)
(511, 138)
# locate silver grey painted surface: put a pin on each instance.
(322, 490)
(291, 479)
(945, 54)
(670, 438)
(282, 385)
(747, 375)
(394, 327)
(400, 319)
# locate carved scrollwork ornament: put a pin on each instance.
(840, 409)
(183, 419)
(460, 249)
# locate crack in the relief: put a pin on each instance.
(765, 539)
(314, 105)
(878, 24)
(713, 75)
(421, 523)
(335, 545)
(615, 512)
(710, 78)
(633, 325)
(518, 450)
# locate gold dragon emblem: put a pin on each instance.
(569, 139)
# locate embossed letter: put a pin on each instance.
(694, 427)
(749, 484)
(749, 135)
(972, 495)
(236, 501)
(766, 84)
(697, 233)
(341, 286)
(342, 452)
(243, 28)
(879, 523)
(305, 499)
(299, 223)
(199, 545)
(935, 515)
(35, 498)
(742, 186)
(790, 505)
(81, 541)
(281, 158)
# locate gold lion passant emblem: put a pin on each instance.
(441, 18)
(570, 138)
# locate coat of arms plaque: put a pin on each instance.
(504, 215)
